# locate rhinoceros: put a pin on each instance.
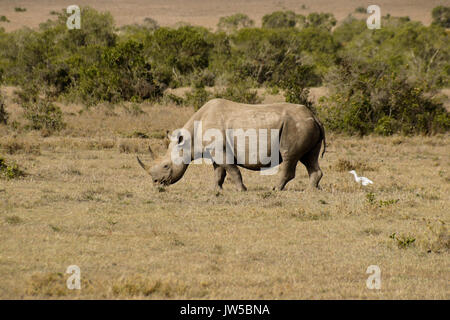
(300, 137)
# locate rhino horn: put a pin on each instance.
(151, 152)
(145, 167)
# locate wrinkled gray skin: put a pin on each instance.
(301, 136)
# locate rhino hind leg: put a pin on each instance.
(287, 168)
(235, 175)
(311, 162)
(220, 174)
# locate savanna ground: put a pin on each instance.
(85, 201)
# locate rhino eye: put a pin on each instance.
(166, 166)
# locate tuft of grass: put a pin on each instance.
(158, 135)
(92, 194)
(342, 165)
(54, 228)
(13, 146)
(372, 231)
(50, 284)
(13, 220)
(266, 194)
(102, 144)
(72, 172)
(437, 237)
(302, 215)
(138, 286)
(403, 241)
(125, 194)
(140, 135)
(19, 9)
(128, 146)
(370, 198)
(360, 10)
(4, 19)
(134, 109)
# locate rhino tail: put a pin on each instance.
(322, 134)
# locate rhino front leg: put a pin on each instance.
(219, 175)
(236, 177)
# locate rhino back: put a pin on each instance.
(224, 114)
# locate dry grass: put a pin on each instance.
(85, 201)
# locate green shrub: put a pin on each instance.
(403, 241)
(370, 97)
(200, 79)
(3, 114)
(10, 171)
(151, 24)
(174, 53)
(320, 20)
(44, 115)
(239, 92)
(360, 10)
(4, 19)
(279, 19)
(41, 113)
(234, 22)
(19, 9)
(120, 74)
(197, 97)
(386, 126)
(348, 29)
(441, 16)
(170, 98)
(297, 78)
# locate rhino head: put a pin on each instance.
(164, 171)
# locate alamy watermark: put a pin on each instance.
(210, 146)
(374, 20)
(74, 281)
(74, 20)
(374, 280)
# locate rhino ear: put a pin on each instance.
(167, 139)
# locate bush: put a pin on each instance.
(197, 97)
(234, 22)
(3, 114)
(41, 113)
(297, 78)
(151, 24)
(369, 97)
(239, 92)
(279, 19)
(10, 171)
(173, 53)
(120, 74)
(441, 16)
(320, 20)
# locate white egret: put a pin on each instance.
(363, 180)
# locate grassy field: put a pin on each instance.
(85, 201)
